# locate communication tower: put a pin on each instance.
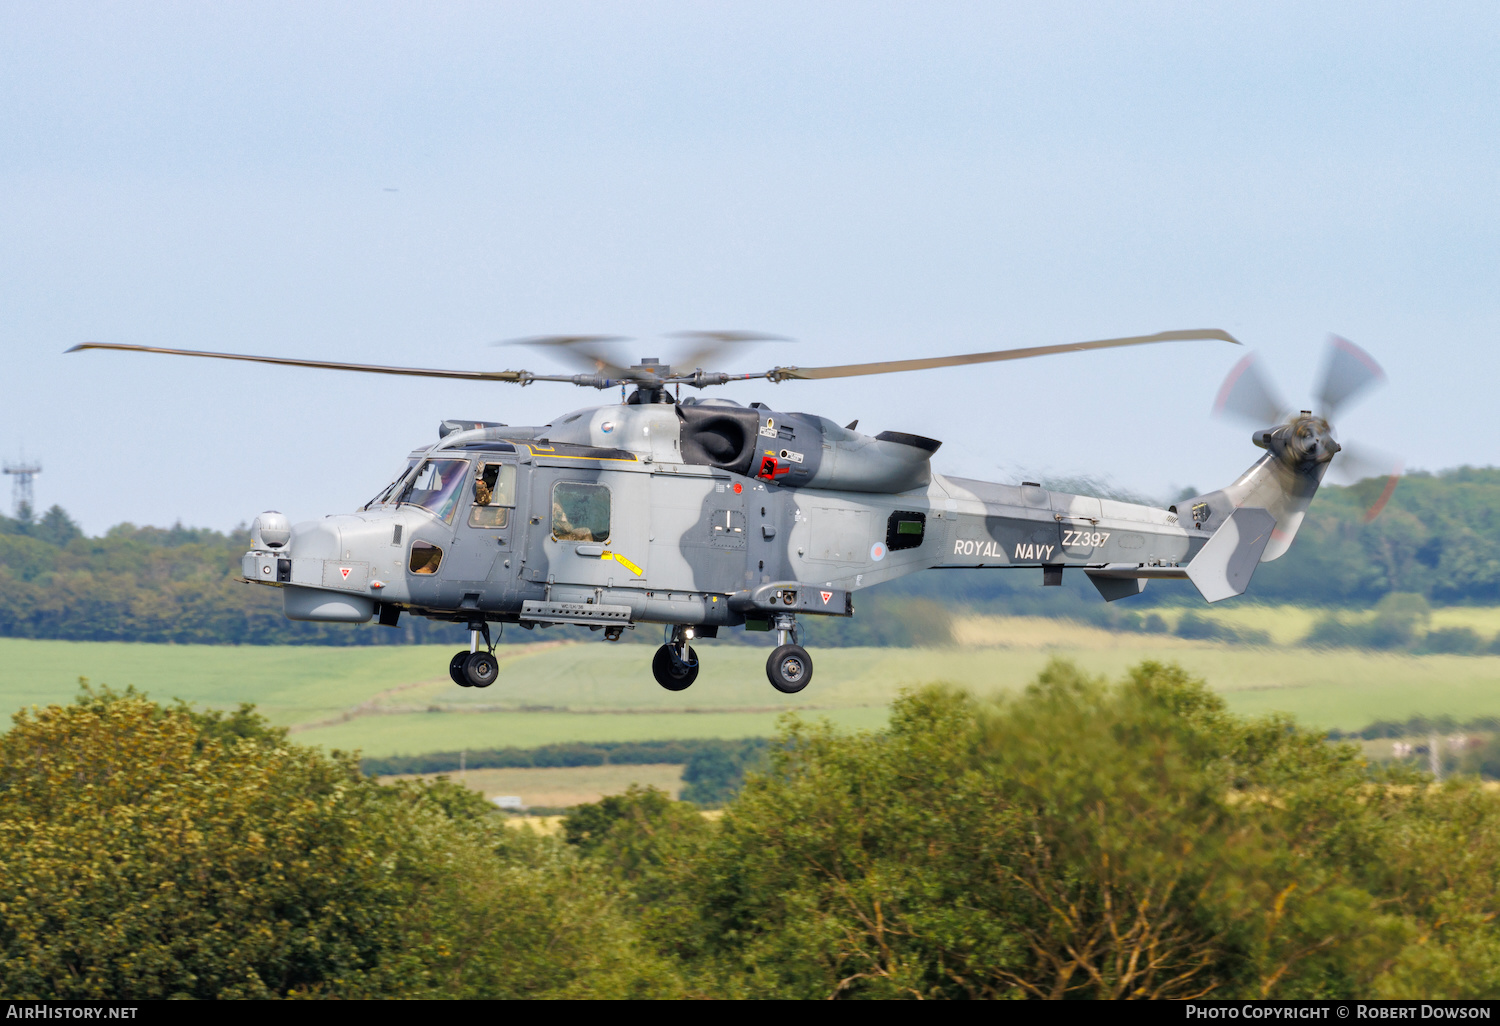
(23, 472)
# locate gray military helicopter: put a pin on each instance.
(702, 514)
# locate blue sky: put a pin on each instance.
(874, 180)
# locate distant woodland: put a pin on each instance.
(1439, 540)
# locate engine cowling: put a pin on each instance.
(802, 450)
(892, 461)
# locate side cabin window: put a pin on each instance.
(435, 486)
(494, 495)
(580, 512)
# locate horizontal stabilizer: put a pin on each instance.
(1113, 588)
(1223, 567)
(1122, 580)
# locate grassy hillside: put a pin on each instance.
(397, 700)
(290, 684)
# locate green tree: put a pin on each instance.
(633, 832)
(714, 773)
(57, 528)
(1081, 840)
(149, 852)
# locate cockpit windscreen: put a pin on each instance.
(435, 486)
(387, 494)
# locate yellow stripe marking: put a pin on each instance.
(551, 455)
(624, 562)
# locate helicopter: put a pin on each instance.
(701, 514)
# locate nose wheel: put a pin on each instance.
(675, 665)
(475, 668)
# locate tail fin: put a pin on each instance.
(1283, 491)
(1223, 567)
(1249, 522)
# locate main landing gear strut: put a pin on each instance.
(790, 667)
(675, 664)
(475, 669)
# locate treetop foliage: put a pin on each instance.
(151, 852)
(1081, 840)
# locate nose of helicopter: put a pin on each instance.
(316, 539)
(323, 566)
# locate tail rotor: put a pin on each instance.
(1305, 439)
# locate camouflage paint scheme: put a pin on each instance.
(721, 515)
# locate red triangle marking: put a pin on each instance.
(345, 571)
(826, 596)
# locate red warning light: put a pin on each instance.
(738, 488)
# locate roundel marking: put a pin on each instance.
(877, 551)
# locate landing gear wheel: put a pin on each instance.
(671, 674)
(789, 669)
(456, 668)
(480, 669)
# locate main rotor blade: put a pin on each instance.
(1348, 371)
(582, 351)
(368, 368)
(728, 335)
(708, 345)
(893, 366)
(1248, 395)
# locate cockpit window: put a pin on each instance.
(580, 512)
(435, 486)
(385, 494)
(494, 493)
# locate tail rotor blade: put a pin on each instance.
(1348, 371)
(1247, 394)
(1356, 464)
(1384, 496)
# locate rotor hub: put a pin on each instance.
(1304, 441)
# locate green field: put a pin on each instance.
(1288, 624)
(397, 700)
(555, 786)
